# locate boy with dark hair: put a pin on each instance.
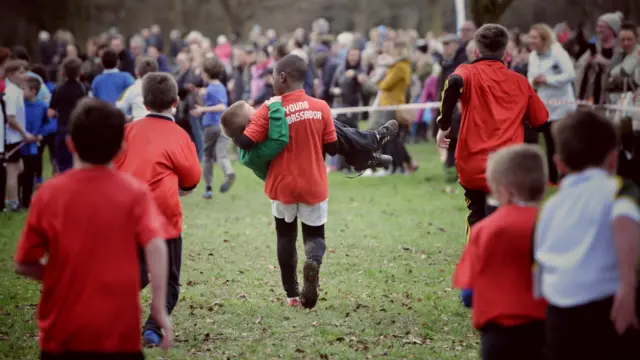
(494, 101)
(16, 134)
(160, 153)
(496, 264)
(297, 179)
(118, 215)
(216, 144)
(586, 247)
(38, 124)
(131, 102)
(110, 85)
(63, 102)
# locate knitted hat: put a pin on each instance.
(613, 20)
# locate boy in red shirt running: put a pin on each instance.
(297, 179)
(496, 263)
(160, 153)
(494, 102)
(88, 224)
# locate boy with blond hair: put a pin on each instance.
(496, 264)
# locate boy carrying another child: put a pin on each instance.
(587, 245)
(496, 263)
(160, 154)
(296, 179)
(38, 124)
(81, 239)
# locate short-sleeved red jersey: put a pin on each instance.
(496, 265)
(298, 174)
(495, 101)
(160, 153)
(90, 223)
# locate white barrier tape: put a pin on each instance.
(435, 105)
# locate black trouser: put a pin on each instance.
(48, 142)
(74, 355)
(314, 248)
(551, 151)
(3, 182)
(450, 161)
(174, 247)
(520, 342)
(397, 150)
(350, 121)
(586, 332)
(530, 135)
(63, 155)
(26, 180)
(354, 145)
(478, 208)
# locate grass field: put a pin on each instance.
(385, 282)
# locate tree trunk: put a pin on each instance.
(488, 11)
(235, 23)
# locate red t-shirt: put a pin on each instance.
(496, 265)
(91, 223)
(160, 153)
(298, 174)
(494, 101)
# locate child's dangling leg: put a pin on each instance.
(287, 234)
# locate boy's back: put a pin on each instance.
(500, 99)
(497, 266)
(574, 238)
(161, 154)
(91, 222)
(110, 85)
(64, 100)
(298, 174)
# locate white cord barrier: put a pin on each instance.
(435, 105)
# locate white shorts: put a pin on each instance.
(312, 215)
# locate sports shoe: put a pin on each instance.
(386, 132)
(151, 338)
(294, 302)
(227, 184)
(376, 161)
(309, 296)
(208, 195)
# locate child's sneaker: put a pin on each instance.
(294, 302)
(208, 194)
(12, 206)
(377, 161)
(311, 272)
(386, 132)
(227, 184)
(151, 338)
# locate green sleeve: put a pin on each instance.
(258, 158)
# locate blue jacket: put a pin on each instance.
(37, 123)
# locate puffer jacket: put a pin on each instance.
(394, 86)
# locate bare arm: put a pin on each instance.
(15, 125)
(214, 108)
